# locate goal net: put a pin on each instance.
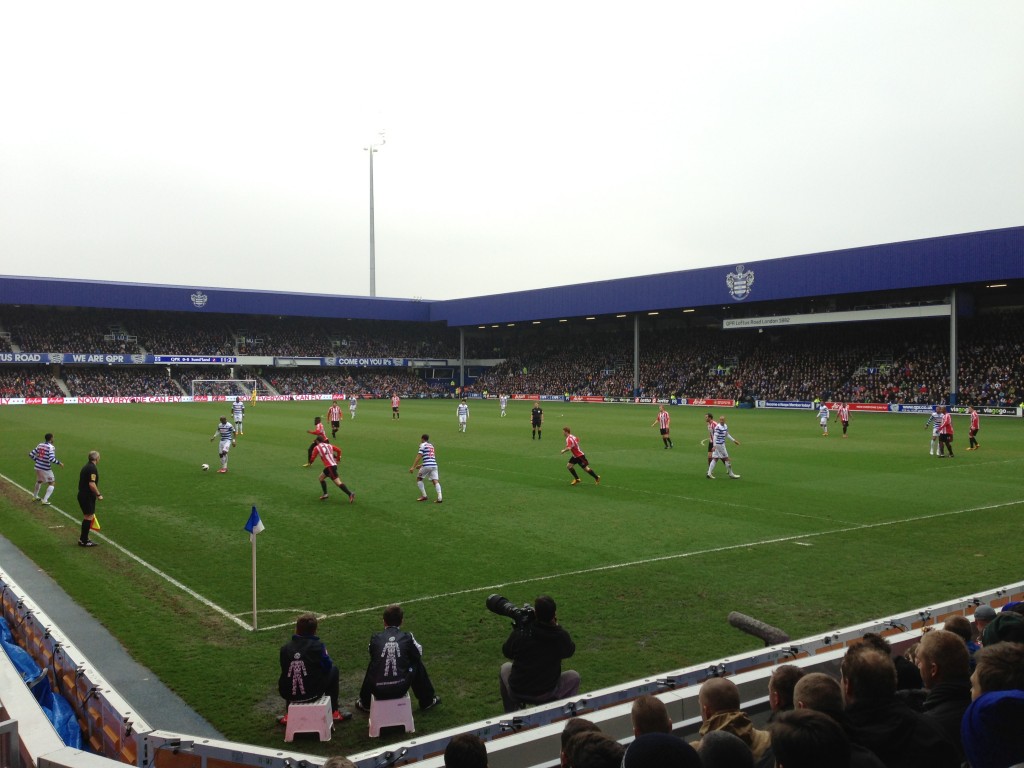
(226, 387)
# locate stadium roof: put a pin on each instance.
(971, 258)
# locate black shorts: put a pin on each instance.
(335, 424)
(663, 431)
(331, 472)
(581, 460)
(394, 409)
(88, 505)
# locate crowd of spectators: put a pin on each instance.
(28, 381)
(133, 381)
(853, 363)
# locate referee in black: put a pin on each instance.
(88, 495)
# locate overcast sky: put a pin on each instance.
(221, 144)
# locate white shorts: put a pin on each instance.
(225, 446)
(44, 475)
(823, 421)
(428, 474)
(462, 419)
(720, 452)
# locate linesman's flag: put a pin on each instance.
(255, 525)
(95, 524)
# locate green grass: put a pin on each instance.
(819, 533)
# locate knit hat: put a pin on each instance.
(660, 749)
(990, 730)
(1005, 626)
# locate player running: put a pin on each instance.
(426, 463)
(317, 432)
(721, 453)
(578, 458)
(226, 433)
(330, 455)
(662, 421)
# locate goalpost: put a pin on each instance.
(226, 387)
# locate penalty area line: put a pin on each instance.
(156, 571)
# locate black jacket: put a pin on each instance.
(901, 737)
(394, 658)
(305, 668)
(537, 652)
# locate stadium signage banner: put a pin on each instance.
(987, 410)
(791, 404)
(910, 408)
(367, 362)
(710, 401)
(194, 359)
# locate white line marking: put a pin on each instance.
(167, 577)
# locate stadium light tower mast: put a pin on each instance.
(373, 245)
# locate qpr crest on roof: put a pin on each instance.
(740, 282)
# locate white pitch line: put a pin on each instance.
(677, 556)
(166, 577)
(564, 574)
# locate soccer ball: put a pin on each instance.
(205, 467)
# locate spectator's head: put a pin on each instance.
(867, 674)
(306, 625)
(959, 626)
(819, 692)
(662, 750)
(983, 614)
(393, 615)
(722, 749)
(649, 715)
(1007, 626)
(465, 750)
(990, 730)
(338, 762)
(998, 667)
(573, 726)
(804, 738)
(780, 686)
(719, 694)
(593, 749)
(942, 658)
(545, 609)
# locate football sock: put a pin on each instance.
(86, 525)
(422, 487)
(49, 492)
(323, 484)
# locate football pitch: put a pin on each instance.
(818, 533)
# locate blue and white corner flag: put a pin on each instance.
(255, 525)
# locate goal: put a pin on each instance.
(226, 387)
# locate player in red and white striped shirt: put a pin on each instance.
(662, 421)
(945, 432)
(317, 432)
(330, 455)
(334, 416)
(975, 426)
(395, 402)
(843, 415)
(578, 458)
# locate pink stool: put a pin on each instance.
(385, 712)
(310, 717)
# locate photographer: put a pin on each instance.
(536, 648)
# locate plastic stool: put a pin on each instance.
(310, 717)
(385, 712)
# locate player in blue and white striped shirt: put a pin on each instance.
(463, 412)
(44, 456)
(426, 463)
(721, 453)
(226, 433)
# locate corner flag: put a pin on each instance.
(255, 525)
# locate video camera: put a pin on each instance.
(522, 617)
